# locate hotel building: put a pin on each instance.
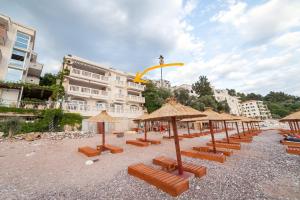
(255, 109)
(18, 61)
(91, 88)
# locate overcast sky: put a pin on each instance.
(250, 45)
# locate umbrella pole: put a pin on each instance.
(187, 123)
(297, 125)
(103, 136)
(145, 130)
(225, 127)
(243, 128)
(200, 127)
(237, 129)
(248, 127)
(212, 135)
(169, 129)
(177, 147)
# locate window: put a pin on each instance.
(17, 58)
(22, 40)
(13, 75)
(118, 78)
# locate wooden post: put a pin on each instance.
(200, 128)
(145, 130)
(248, 127)
(212, 135)
(226, 132)
(101, 130)
(187, 123)
(177, 146)
(169, 129)
(243, 128)
(237, 129)
(297, 125)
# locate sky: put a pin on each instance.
(248, 45)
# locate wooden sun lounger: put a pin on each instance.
(218, 157)
(170, 164)
(290, 143)
(225, 141)
(149, 140)
(293, 150)
(225, 145)
(111, 148)
(239, 140)
(187, 136)
(226, 152)
(137, 143)
(169, 183)
(172, 137)
(89, 151)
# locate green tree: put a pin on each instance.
(155, 97)
(202, 87)
(182, 96)
(231, 92)
(48, 79)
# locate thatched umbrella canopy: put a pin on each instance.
(171, 111)
(100, 119)
(293, 120)
(233, 119)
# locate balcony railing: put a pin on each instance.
(120, 96)
(89, 75)
(85, 91)
(36, 66)
(121, 83)
(136, 98)
(135, 86)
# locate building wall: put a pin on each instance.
(10, 28)
(186, 87)
(165, 83)
(91, 88)
(255, 109)
(233, 101)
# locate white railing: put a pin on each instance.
(120, 96)
(136, 98)
(87, 91)
(118, 82)
(135, 86)
(89, 75)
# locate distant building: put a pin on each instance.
(232, 101)
(91, 88)
(18, 61)
(255, 109)
(165, 83)
(186, 87)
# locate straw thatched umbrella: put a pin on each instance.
(172, 111)
(293, 120)
(230, 118)
(100, 119)
(211, 116)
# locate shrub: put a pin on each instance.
(71, 119)
(11, 126)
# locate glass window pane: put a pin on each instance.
(13, 75)
(22, 40)
(23, 35)
(21, 45)
(18, 52)
(16, 63)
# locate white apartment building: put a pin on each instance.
(255, 109)
(232, 101)
(165, 83)
(18, 61)
(91, 88)
(186, 87)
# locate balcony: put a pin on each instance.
(119, 83)
(120, 96)
(88, 75)
(3, 35)
(87, 92)
(132, 85)
(35, 69)
(134, 98)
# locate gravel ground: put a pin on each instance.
(47, 169)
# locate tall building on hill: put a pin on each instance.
(232, 101)
(91, 88)
(18, 60)
(255, 109)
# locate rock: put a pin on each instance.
(32, 136)
(30, 154)
(1, 134)
(197, 187)
(89, 162)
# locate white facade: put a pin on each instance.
(255, 109)
(17, 57)
(186, 87)
(91, 88)
(232, 101)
